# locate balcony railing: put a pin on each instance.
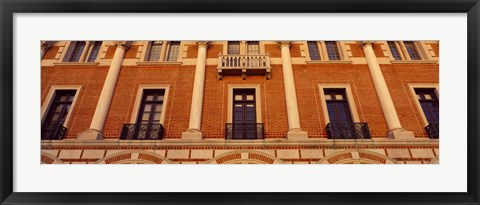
(53, 131)
(142, 132)
(354, 130)
(245, 131)
(243, 65)
(433, 130)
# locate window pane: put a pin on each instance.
(95, 49)
(158, 107)
(173, 51)
(253, 47)
(313, 50)
(234, 47)
(155, 49)
(77, 50)
(250, 97)
(145, 116)
(338, 97)
(332, 50)
(156, 116)
(147, 107)
(412, 50)
(238, 97)
(394, 50)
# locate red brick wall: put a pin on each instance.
(131, 53)
(213, 50)
(110, 52)
(377, 49)
(435, 47)
(273, 50)
(90, 77)
(295, 50)
(397, 77)
(51, 53)
(356, 50)
(192, 51)
(180, 79)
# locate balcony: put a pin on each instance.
(354, 130)
(142, 132)
(53, 131)
(433, 130)
(243, 65)
(244, 131)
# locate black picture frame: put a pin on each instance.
(10, 7)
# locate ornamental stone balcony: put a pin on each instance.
(244, 65)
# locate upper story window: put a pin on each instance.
(173, 50)
(162, 51)
(94, 51)
(253, 47)
(76, 51)
(155, 50)
(82, 51)
(404, 50)
(313, 50)
(234, 47)
(324, 50)
(429, 103)
(332, 50)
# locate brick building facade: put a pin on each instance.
(222, 102)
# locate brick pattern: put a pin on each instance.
(213, 50)
(295, 50)
(228, 158)
(150, 158)
(110, 52)
(377, 49)
(51, 53)
(192, 51)
(46, 160)
(436, 49)
(357, 50)
(131, 53)
(118, 158)
(273, 50)
(260, 158)
(372, 157)
(339, 157)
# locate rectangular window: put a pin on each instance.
(52, 126)
(174, 48)
(148, 126)
(94, 52)
(76, 51)
(412, 50)
(394, 50)
(244, 123)
(313, 50)
(332, 50)
(253, 47)
(429, 102)
(234, 47)
(154, 52)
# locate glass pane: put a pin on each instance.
(147, 107)
(160, 98)
(149, 97)
(77, 50)
(238, 97)
(250, 106)
(419, 97)
(328, 97)
(145, 116)
(95, 49)
(250, 97)
(238, 105)
(158, 107)
(338, 97)
(412, 50)
(58, 108)
(55, 117)
(63, 98)
(428, 96)
(156, 116)
(253, 47)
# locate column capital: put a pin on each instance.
(366, 43)
(122, 44)
(202, 44)
(284, 44)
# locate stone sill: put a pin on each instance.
(413, 61)
(146, 63)
(76, 63)
(324, 61)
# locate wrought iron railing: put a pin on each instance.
(53, 131)
(353, 130)
(142, 132)
(433, 130)
(243, 64)
(244, 131)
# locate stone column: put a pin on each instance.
(294, 129)
(96, 127)
(395, 128)
(194, 132)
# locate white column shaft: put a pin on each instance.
(290, 93)
(198, 85)
(107, 90)
(381, 88)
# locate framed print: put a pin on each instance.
(239, 102)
